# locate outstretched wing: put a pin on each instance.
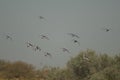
(65, 50)
(73, 35)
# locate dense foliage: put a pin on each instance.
(87, 65)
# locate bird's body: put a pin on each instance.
(44, 37)
(41, 17)
(37, 48)
(8, 37)
(76, 41)
(107, 29)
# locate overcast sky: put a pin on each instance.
(86, 18)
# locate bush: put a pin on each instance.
(84, 68)
(19, 69)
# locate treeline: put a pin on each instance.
(87, 65)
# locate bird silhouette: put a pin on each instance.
(65, 50)
(41, 17)
(73, 35)
(44, 37)
(7, 36)
(76, 41)
(48, 54)
(37, 48)
(106, 29)
(29, 44)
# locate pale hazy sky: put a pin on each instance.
(85, 18)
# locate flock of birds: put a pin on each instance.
(44, 37)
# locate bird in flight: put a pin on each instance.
(29, 44)
(44, 37)
(107, 29)
(41, 17)
(65, 50)
(73, 35)
(48, 54)
(37, 48)
(7, 36)
(76, 41)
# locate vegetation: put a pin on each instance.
(87, 65)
